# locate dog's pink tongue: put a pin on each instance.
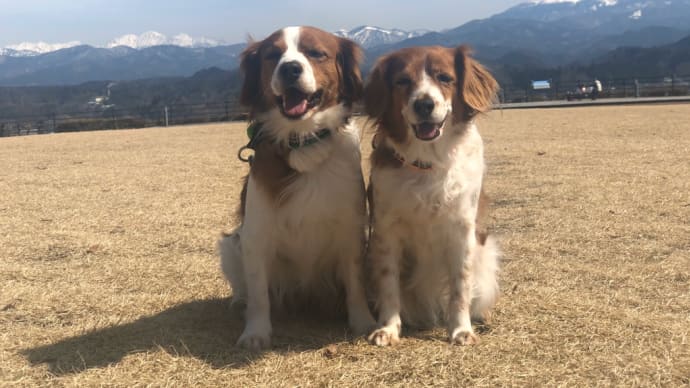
(427, 130)
(295, 103)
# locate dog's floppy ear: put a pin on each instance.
(250, 64)
(348, 59)
(476, 87)
(377, 90)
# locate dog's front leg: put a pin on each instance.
(460, 278)
(384, 255)
(257, 253)
(359, 316)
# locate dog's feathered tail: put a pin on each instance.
(485, 290)
(231, 263)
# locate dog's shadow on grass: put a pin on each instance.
(206, 330)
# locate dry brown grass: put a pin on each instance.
(109, 274)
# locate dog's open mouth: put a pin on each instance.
(294, 103)
(428, 131)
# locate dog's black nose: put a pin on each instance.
(423, 107)
(290, 71)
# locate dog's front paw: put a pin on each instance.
(464, 337)
(385, 336)
(254, 341)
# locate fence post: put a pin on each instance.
(637, 88)
(625, 88)
(166, 116)
(114, 118)
(673, 85)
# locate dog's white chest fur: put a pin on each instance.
(322, 202)
(317, 219)
(443, 193)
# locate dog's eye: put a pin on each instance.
(316, 54)
(444, 78)
(403, 81)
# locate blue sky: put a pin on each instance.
(98, 21)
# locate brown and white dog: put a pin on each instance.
(303, 205)
(429, 259)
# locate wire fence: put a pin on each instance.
(106, 118)
(548, 90)
(109, 117)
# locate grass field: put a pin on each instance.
(109, 275)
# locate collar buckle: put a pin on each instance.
(255, 137)
(418, 164)
(295, 141)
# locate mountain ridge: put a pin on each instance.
(144, 40)
(366, 36)
(372, 36)
(85, 63)
(551, 33)
(215, 85)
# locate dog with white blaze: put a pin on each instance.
(303, 204)
(430, 260)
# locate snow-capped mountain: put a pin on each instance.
(558, 32)
(153, 38)
(368, 36)
(535, 33)
(28, 49)
(84, 63)
(145, 40)
(613, 16)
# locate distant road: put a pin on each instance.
(587, 102)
